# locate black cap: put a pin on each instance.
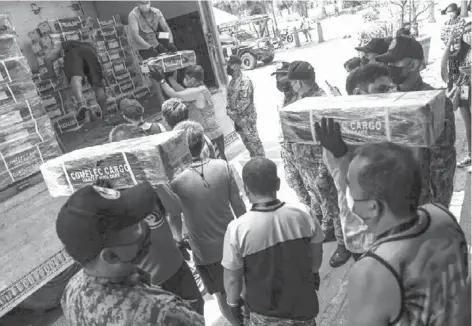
(453, 6)
(234, 60)
(282, 68)
(93, 212)
(402, 47)
(376, 45)
(300, 70)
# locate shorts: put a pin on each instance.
(212, 277)
(82, 61)
(183, 284)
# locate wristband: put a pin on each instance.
(232, 305)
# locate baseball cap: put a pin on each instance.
(376, 45)
(94, 212)
(400, 48)
(300, 70)
(131, 108)
(282, 68)
(234, 60)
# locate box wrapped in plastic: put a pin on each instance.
(414, 119)
(67, 122)
(6, 27)
(16, 92)
(14, 69)
(156, 158)
(41, 128)
(115, 21)
(171, 62)
(26, 161)
(21, 112)
(9, 47)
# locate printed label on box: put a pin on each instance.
(28, 155)
(67, 123)
(23, 171)
(113, 44)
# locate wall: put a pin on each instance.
(25, 20)
(106, 9)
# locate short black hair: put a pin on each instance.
(365, 74)
(196, 72)
(404, 31)
(260, 176)
(454, 8)
(195, 136)
(174, 112)
(392, 175)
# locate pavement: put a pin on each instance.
(327, 58)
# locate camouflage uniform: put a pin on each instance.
(241, 110)
(438, 162)
(89, 300)
(256, 320)
(309, 177)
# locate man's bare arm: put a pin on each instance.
(166, 28)
(186, 95)
(373, 293)
(134, 28)
(233, 282)
(52, 56)
(174, 84)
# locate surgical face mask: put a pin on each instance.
(398, 74)
(229, 71)
(451, 14)
(143, 242)
(296, 86)
(364, 60)
(284, 87)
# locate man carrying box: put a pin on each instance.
(144, 22)
(80, 60)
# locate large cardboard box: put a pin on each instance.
(414, 119)
(156, 158)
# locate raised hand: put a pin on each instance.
(328, 133)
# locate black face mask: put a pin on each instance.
(364, 61)
(229, 71)
(397, 74)
(284, 87)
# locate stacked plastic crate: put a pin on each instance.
(122, 74)
(27, 137)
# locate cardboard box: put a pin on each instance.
(6, 27)
(414, 119)
(14, 69)
(16, 92)
(172, 62)
(9, 47)
(21, 112)
(66, 123)
(156, 158)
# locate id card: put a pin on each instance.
(164, 35)
(465, 92)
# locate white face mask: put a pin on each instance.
(349, 199)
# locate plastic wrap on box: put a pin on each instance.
(9, 47)
(34, 35)
(142, 92)
(6, 27)
(27, 161)
(156, 158)
(70, 24)
(21, 112)
(413, 119)
(14, 69)
(66, 123)
(16, 92)
(46, 87)
(116, 20)
(47, 27)
(54, 111)
(171, 62)
(36, 48)
(127, 86)
(40, 127)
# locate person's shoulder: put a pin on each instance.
(157, 11)
(245, 80)
(133, 12)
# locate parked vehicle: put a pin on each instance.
(286, 36)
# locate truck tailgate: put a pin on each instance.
(31, 253)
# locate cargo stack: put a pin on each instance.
(27, 137)
(120, 68)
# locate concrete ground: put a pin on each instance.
(327, 59)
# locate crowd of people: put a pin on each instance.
(384, 204)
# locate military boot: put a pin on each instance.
(340, 256)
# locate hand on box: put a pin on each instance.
(172, 48)
(328, 133)
(156, 73)
(159, 49)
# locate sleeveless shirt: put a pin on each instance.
(205, 116)
(147, 26)
(429, 261)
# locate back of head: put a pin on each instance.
(260, 176)
(352, 64)
(195, 136)
(131, 109)
(174, 111)
(391, 175)
(364, 75)
(196, 72)
(301, 70)
(125, 131)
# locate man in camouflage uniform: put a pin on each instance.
(104, 230)
(307, 174)
(438, 162)
(240, 107)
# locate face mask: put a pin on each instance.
(364, 61)
(284, 87)
(229, 71)
(296, 86)
(451, 15)
(397, 74)
(144, 242)
(145, 8)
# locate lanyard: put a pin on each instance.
(399, 228)
(267, 206)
